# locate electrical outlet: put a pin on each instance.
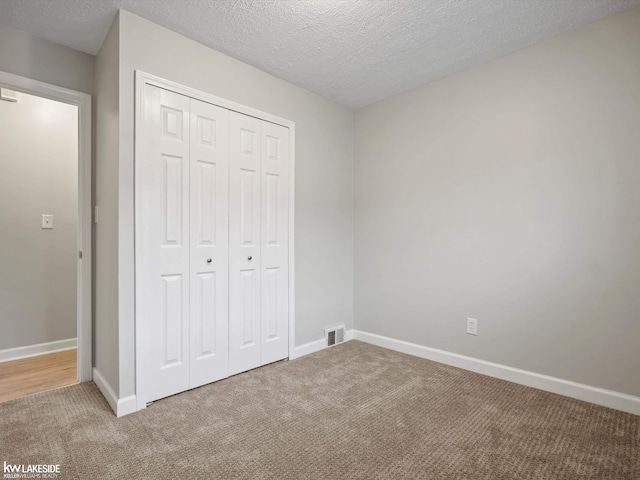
(472, 326)
(47, 221)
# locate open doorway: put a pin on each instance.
(45, 312)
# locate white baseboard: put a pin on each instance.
(106, 390)
(316, 346)
(120, 406)
(126, 406)
(307, 348)
(587, 393)
(18, 353)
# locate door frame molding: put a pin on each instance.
(142, 79)
(84, 265)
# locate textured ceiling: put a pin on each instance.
(355, 52)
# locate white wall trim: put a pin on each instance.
(292, 237)
(126, 406)
(349, 335)
(587, 393)
(83, 102)
(120, 406)
(18, 353)
(143, 78)
(315, 346)
(307, 349)
(106, 390)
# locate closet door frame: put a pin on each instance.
(142, 79)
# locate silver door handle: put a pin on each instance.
(250, 258)
(209, 260)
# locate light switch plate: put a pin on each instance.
(8, 95)
(47, 221)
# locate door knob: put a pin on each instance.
(250, 258)
(209, 260)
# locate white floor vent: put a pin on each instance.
(334, 335)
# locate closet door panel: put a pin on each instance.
(244, 242)
(163, 244)
(212, 221)
(274, 244)
(209, 160)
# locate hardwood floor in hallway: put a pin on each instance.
(27, 376)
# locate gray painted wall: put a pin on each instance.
(39, 165)
(509, 193)
(106, 197)
(29, 56)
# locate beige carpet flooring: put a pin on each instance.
(351, 412)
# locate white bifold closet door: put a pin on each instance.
(182, 244)
(209, 269)
(258, 247)
(212, 217)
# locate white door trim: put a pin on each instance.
(83, 102)
(142, 79)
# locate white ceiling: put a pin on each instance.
(355, 52)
